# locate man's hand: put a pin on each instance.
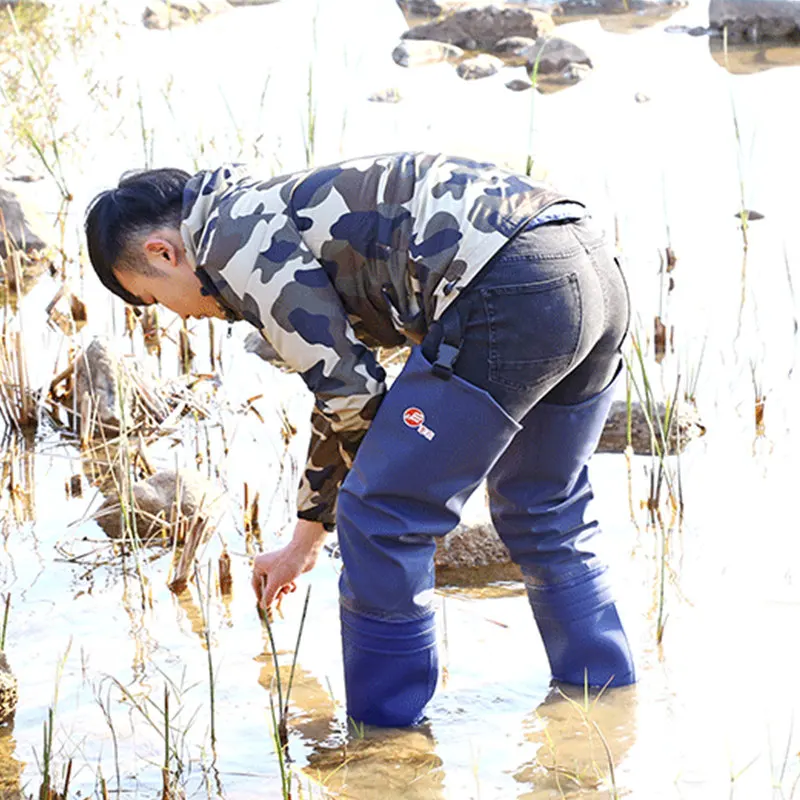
(274, 573)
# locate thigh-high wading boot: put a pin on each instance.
(431, 443)
(540, 498)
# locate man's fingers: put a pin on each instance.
(255, 582)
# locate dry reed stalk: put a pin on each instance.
(188, 553)
(17, 400)
(225, 576)
(195, 531)
(252, 529)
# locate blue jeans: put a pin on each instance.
(544, 320)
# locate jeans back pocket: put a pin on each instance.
(534, 330)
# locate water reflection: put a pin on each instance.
(376, 763)
(746, 59)
(10, 767)
(621, 21)
(17, 502)
(581, 738)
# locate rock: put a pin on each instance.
(421, 8)
(480, 66)
(89, 390)
(615, 432)
(641, 97)
(580, 7)
(513, 49)
(390, 95)
(755, 20)
(168, 504)
(696, 30)
(97, 372)
(469, 546)
(16, 226)
(8, 690)
(518, 85)
(749, 214)
(555, 56)
(482, 28)
(164, 14)
(418, 53)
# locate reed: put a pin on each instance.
(534, 93)
(279, 714)
(46, 791)
(205, 613)
(18, 406)
(666, 487)
(6, 610)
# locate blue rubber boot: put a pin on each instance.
(540, 499)
(430, 445)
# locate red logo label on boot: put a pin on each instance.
(415, 418)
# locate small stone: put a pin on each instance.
(420, 52)
(513, 49)
(391, 95)
(641, 97)
(518, 85)
(749, 215)
(481, 66)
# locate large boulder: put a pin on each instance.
(481, 28)
(15, 226)
(755, 20)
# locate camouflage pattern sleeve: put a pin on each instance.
(325, 470)
(286, 292)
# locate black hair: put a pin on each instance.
(143, 201)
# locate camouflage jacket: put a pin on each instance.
(333, 261)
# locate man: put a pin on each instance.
(517, 310)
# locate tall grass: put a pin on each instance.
(18, 407)
(46, 764)
(279, 716)
(32, 100)
(665, 503)
(6, 610)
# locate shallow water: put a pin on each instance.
(649, 139)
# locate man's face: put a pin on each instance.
(173, 283)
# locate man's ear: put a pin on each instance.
(160, 251)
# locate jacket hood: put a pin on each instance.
(201, 197)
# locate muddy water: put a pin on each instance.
(650, 140)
